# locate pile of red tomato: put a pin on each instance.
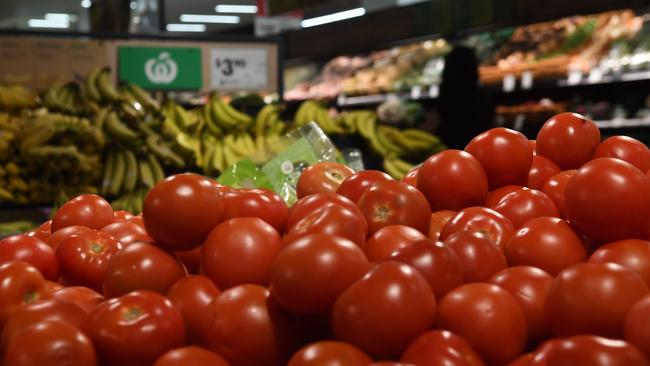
(512, 252)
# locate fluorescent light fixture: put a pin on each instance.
(45, 23)
(175, 27)
(57, 17)
(334, 17)
(408, 2)
(243, 9)
(86, 4)
(203, 18)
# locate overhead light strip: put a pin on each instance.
(176, 27)
(241, 9)
(204, 18)
(46, 23)
(334, 17)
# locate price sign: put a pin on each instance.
(239, 68)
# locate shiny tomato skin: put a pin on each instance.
(262, 203)
(633, 254)
(180, 211)
(440, 348)
(453, 180)
(411, 177)
(588, 350)
(524, 205)
(548, 243)
(122, 230)
(58, 236)
(42, 232)
(311, 203)
(136, 329)
(554, 188)
(498, 338)
(533, 146)
(310, 273)
(40, 311)
(636, 328)
(524, 360)
(625, 148)
(397, 304)
(84, 258)
(191, 259)
(438, 221)
(437, 263)
(568, 139)
(495, 196)
(192, 355)
(322, 177)
(529, 286)
(248, 328)
(83, 297)
(354, 186)
(497, 227)
(87, 210)
(240, 251)
(53, 286)
(331, 219)
(480, 258)
(329, 353)
(137, 219)
(31, 250)
(504, 154)
(191, 296)
(540, 171)
(122, 215)
(20, 284)
(392, 202)
(608, 200)
(141, 266)
(50, 343)
(390, 238)
(592, 298)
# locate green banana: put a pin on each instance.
(131, 171)
(90, 85)
(145, 172)
(396, 168)
(119, 173)
(105, 87)
(156, 168)
(144, 98)
(38, 137)
(162, 151)
(218, 161)
(118, 129)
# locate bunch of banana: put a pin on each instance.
(312, 111)
(223, 117)
(14, 97)
(65, 98)
(396, 167)
(97, 87)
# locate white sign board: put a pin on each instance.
(239, 68)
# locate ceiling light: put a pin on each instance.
(203, 18)
(58, 17)
(86, 4)
(46, 23)
(175, 27)
(244, 9)
(334, 17)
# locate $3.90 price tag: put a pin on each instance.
(238, 68)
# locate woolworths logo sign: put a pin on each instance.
(161, 68)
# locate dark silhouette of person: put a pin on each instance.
(465, 108)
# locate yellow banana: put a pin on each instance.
(263, 117)
(218, 159)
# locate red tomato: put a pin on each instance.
(540, 171)
(50, 343)
(625, 148)
(322, 177)
(636, 328)
(588, 350)
(122, 229)
(529, 286)
(592, 298)
(533, 146)
(137, 220)
(311, 203)
(329, 353)
(494, 197)
(480, 219)
(524, 205)
(504, 154)
(31, 250)
(191, 296)
(122, 215)
(358, 183)
(633, 254)
(524, 360)
(488, 317)
(58, 236)
(248, 328)
(411, 178)
(191, 259)
(262, 203)
(438, 264)
(568, 139)
(310, 273)
(192, 355)
(480, 258)
(608, 200)
(240, 251)
(141, 266)
(331, 220)
(547, 243)
(554, 188)
(440, 348)
(42, 232)
(84, 258)
(397, 305)
(389, 239)
(87, 210)
(136, 329)
(180, 211)
(391, 202)
(438, 221)
(53, 286)
(20, 284)
(453, 180)
(46, 310)
(83, 297)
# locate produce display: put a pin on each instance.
(510, 252)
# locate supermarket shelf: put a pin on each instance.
(416, 93)
(624, 123)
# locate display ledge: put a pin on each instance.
(623, 123)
